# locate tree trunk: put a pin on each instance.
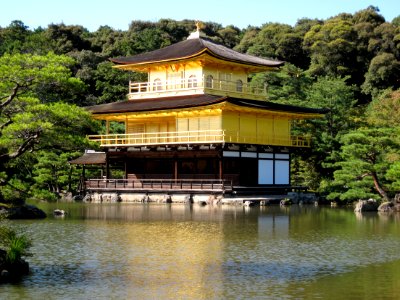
(378, 187)
(70, 179)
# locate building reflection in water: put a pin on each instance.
(171, 251)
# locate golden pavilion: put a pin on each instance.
(197, 124)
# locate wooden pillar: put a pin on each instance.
(107, 127)
(176, 169)
(107, 166)
(220, 165)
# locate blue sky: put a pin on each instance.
(241, 13)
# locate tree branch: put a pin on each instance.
(364, 175)
(2, 126)
(11, 97)
(28, 143)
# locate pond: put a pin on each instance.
(174, 251)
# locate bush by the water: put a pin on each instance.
(13, 247)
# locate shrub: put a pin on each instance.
(15, 245)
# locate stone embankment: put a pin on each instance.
(202, 199)
(373, 205)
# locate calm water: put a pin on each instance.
(135, 251)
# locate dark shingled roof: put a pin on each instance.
(177, 102)
(90, 158)
(194, 47)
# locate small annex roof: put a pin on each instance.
(194, 47)
(90, 158)
(180, 102)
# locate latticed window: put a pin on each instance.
(157, 86)
(239, 86)
(192, 81)
(209, 81)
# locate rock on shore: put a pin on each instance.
(366, 205)
(25, 211)
(389, 207)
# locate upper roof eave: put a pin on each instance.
(192, 48)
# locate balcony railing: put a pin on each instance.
(186, 86)
(159, 184)
(195, 137)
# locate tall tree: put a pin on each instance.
(366, 158)
(332, 47)
(335, 95)
(67, 38)
(369, 164)
(383, 73)
(28, 124)
(12, 38)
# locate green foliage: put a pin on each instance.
(367, 155)
(335, 95)
(64, 39)
(393, 175)
(15, 245)
(396, 21)
(384, 70)
(368, 162)
(111, 84)
(331, 47)
(385, 110)
(29, 122)
(288, 86)
(13, 37)
(53, 173)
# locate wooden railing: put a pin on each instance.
(195, 137)
(158, 184)
(159, 87)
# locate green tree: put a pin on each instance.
(288, 85)
(336, 96)
(332, 47)
(384, 111)
(12, 38)
(248, 39)
(269, 39)
(67, 38)
(107, 41)
(112, 84)
(369, 162)
(383, 73)
(53, 174)
(366, 159)
(230, 36)
(396, 21)
(28, 123)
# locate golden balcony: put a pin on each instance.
(191, 86)
(195, 138)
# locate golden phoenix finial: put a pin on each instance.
(199, 25)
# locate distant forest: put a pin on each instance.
(349, 63)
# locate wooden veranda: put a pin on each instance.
(159, 185)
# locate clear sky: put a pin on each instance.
(119, 13)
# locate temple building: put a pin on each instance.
(197, 123)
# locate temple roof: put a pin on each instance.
(178, 102)
(90, 158)
(194, 47)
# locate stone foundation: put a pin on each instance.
(200, 199)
